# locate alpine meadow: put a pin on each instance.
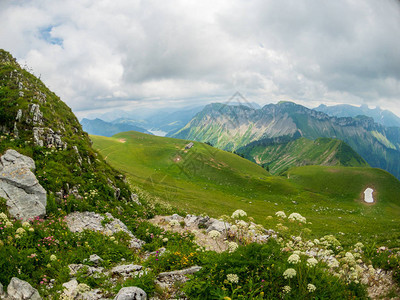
(210, 150)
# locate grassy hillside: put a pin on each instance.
(207, 180)
(278, 157)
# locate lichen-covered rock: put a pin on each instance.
(131, 293)
(21, 290)
(26, 198)
(126, 270)
(80, 291)
(79, 221)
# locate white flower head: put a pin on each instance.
(53, 257)
(294, 259)
(233, 228)
(242, 223)
(289, 273)
(333, 263)
(20, 231)
(173, 223)
(239, 213)
(232, 246)
(311, 288)
(286, 289)
(26, 225)
(312, 262)
(280, 214)
(214, 234)
(9, 224)
(297, 217)
(232, 278)
(3, 217)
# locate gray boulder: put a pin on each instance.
(126, 270)
(218, 225)
(21, 290)
(26, 198)
(79, 221)
(131, 293)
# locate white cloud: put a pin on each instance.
(101, 54)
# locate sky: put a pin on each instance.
(101, 55)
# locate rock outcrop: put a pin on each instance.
(21, 290)
(131, 293)
(79, 221)
(26, 198)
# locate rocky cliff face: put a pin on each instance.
(232, 127)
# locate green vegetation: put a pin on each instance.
(207, 180)
(280, 154)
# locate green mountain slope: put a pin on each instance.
(230, 128)
(204, 179)
(278, 155)
(35, 122)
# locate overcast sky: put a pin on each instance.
(125, 54)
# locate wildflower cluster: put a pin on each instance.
(233, 278)
(297, 217)
(238, 214)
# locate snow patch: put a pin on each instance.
(368, 195)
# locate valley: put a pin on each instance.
(216, 182)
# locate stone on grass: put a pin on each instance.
(26, 198)
(80, 221)
(21, 290)
(131, 293)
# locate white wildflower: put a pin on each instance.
(311, 288)
(312, 262)
(232, 246)
(242, 223)
(310, 244)
(165, 240)
(9, 224)
(297, 217)
(3, 217)
(20, 231)
(53, 257)
(294, 259)
(280, 214)
(333, 263)
(286, 289)
(214, 234)
(233, 228)
(173, 223)
(232, 278)
(239, 213)
(26, 225)
(359, 245)
(289, 273)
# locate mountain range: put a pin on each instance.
(233, 127)
(384, 117)
(100, 127)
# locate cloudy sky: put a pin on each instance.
(100, 55)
